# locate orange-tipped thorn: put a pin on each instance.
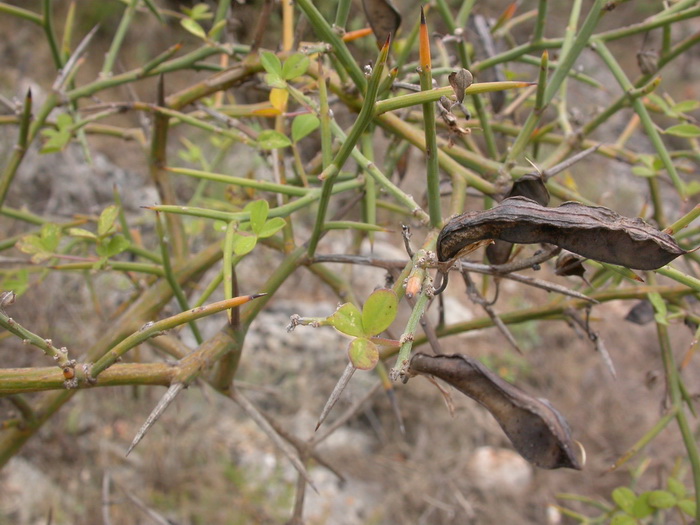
(424, 43)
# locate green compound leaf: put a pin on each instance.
(685, 106)
(688, 131)
(193, 27)
(15, 280)
(271, 63)
(379, 311)
(363, 353)
(275, 81)
(641, 507)
(43, 246)
(199, 11)
(623, 519)
(258, 214)
(114, 246)
(82, 233)
(687, 506)
(624, 497)
(271, 227)
(244, 243)
(303, 125)
(271, 139)
(106, 220)
(295, 66)
(57, 139)
(661, 499)
(32, 245)
(348, 320)
(676, 488)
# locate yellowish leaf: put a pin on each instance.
(278, 98)
(266, 112)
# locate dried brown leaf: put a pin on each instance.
(383, 18)
(460, 80)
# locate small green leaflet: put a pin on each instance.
(295, 66)
(303, 125)
(193, 27)
(271, 139)
(258, 214)
(379, 311)
(348, 320)
(363, 353)
(688, 131)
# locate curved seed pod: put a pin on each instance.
(537, 430)
(594, 232)
(530, 186)
(499, 252)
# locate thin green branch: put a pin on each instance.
(330, 173)
(20, 149)
(433, 95)
(170, 276)
(118, 39)
(19, 12)
(645, 118)
(326, 32)
(538, 32)
(50, 32)
(154, 329)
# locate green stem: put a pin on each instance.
(284, 189)
(279, 211)
(118, 266)
(673, 382)
(433, 95)
(341, 14)
(20, 149)
(326, 32)
(124, 23)
(366, 164)
(363, 120)
(21, 13)
(170, 276)
(154, 329)
(646, 438)
(47, 24)
(678, 276)
(684, 221)
(409, 332)
(46, 345)
(538, 32)
(647, 122)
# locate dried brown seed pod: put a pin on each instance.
(594, 232)
(537, 430)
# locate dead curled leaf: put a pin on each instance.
(383, 18)
(569, 264)
(594, 232)
(537, 430)
(460, 80)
